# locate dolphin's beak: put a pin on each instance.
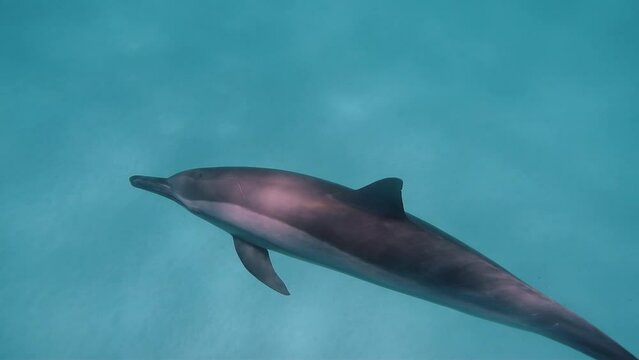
(156, 185)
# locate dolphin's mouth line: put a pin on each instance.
(155, 185)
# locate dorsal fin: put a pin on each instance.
(383, 197)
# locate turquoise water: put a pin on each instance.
(513, 125)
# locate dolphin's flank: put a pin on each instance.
(367, 234)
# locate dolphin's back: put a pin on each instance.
(375, 240)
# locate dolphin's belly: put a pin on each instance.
(279, 236)
(460, 281)
(473, 284)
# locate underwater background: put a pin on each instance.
(514, 126)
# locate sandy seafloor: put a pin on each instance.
(514, 126)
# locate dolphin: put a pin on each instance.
(367, 234)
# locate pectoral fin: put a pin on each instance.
(257, 262)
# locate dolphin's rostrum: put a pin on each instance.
(367, 234)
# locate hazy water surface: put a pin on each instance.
(514, 127)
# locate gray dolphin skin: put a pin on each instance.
(367, 234)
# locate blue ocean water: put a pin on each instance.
(514, 126)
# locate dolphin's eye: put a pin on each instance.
(197, 175)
